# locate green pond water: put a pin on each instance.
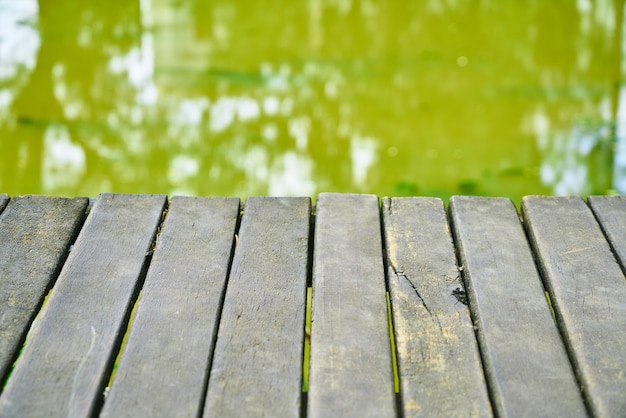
(240, 98)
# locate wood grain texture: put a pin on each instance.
(439, 364)
(350, 366)
(257, 364)
(72, 343)
(610, 212)
(525, 361)
(587, 289)
(164, 364)
(35, 232)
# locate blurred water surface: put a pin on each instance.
(242, 98)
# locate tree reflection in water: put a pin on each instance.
(241, 98)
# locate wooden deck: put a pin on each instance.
(133, 305)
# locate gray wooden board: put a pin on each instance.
(35, 232)
(611, 214)
(4, 199)
(73, 341)
(163, 367)
(439, 364)
(350, 366)
(525, 360)
(257, 363)
(587, 289)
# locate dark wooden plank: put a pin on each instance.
(611, 214)
(257, 365)
(4, 199)
(72, 342)
(587, 289)
(525, 361)
(350, 367)
(164, 364)
(439, 364)
(35, 232)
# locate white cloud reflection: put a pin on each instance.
(292, 176)
(619, 156)
(363, 151)
(566, 152)
(19, 38)
(138, 64)
(63, 161)
(19, 43)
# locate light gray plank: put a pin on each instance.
(350, 366)
(35, 232)
(611, 214)
(587, 289)
(439, 364)
(525, 361)
(257, 364)
(164, 364)
(72, 343)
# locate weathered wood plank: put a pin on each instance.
(611, 214)
(439, 364)
(525, 361)
(35, 232)
(587, 289)
(350, 366)
(164, 364)
(71, 345)
(257, 364)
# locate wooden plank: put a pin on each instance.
(439, 364)
(257, 365)
(4, 199)
(164, 365)
(611, 214)
(35, 232)
(587, 289)
(525, 361)
(350, 366)
(72, 343)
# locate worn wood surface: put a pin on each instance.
(164, 365)
(611, 214)
(72, 343)
(525, 361)
(350, 367)
(218, 328)
(35, 235)
(257, 364)
(439, 363)
(587, 289)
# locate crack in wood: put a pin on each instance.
(400, 273)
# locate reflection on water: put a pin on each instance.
(293, 98)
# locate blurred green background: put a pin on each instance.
(239, 98)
